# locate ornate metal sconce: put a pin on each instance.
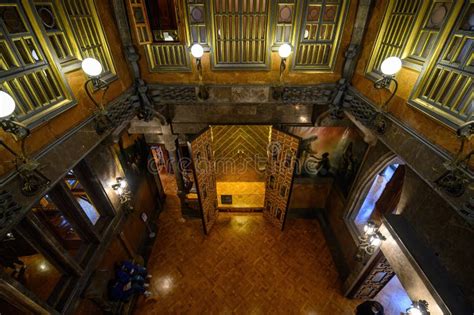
(284, 51)
(418, 308)
(389, 68)
(93, 68)
(455, 179)
(369, 241)
(32, 180)
(197, 51)
(121, 188)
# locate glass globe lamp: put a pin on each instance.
(92, 67)
(197, 51)
(7, 104)
(284, 50)
(391, 66)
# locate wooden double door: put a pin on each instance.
(281, 162)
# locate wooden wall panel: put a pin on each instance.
(205, 177)
(280, 169)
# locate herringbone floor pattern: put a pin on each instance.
(245, 266)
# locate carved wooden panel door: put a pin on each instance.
(378, 274)
(205, 177)
(280, 169)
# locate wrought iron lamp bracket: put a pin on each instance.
(29, 170)
(378, 121)
(102, 120)
(455, 179)
(203, 91)
(18, 130)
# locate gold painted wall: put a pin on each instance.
(54, 128)
(252, 77)
(425, 126)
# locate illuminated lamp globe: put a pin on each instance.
(370, 228)
(284, 50)
(375, 240)
(7, 104)
(197, 51)
(391, 65)
(413, 310)
(123, 184)
(91, 67)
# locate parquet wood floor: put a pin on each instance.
(245, 266)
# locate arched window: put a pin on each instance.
(379, 193)
(376, 189)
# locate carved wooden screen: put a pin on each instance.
(280, 168)
(377, 276)
(205, 177)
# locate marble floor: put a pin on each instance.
(245, 266)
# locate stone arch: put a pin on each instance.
(362, 188)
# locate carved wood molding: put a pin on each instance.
(320, 94)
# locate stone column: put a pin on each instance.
(352, 52)
(169, 140)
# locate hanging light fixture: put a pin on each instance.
(32, 180)
(389, 68)
(369, 241)
(418, 308)
(198, 51)
(284, 51)
(93, 68)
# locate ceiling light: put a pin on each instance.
(197, 51)
(7, 104)
(284, 51)
(91, 67)
(391, 65)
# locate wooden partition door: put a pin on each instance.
(280, 171)
(375, 277)
(205, 177)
